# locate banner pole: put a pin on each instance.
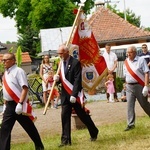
(58, 70)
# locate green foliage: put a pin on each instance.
(19, 56)
(119, 84)
(55, 61)
(130, 15)
(147, 29)
(33, 15)
(1, 67)
(27, 42)
(11, 50)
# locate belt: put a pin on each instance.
(133, 83)
(10, 102)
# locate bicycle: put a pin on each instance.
(1, 95)
(35, 91)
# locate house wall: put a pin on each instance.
(26, 67)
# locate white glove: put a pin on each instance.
(56, 78)
(72, 99)
(19, 109)
(145, 91)
(4, 108)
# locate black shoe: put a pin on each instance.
(129, 128)
(63, 144)
(94, 138)
(39, 148)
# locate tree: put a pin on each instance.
(27, 43)
(147, 29)
(131, 17)
(33, 15)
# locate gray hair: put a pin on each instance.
(64, 47)
(133, 48)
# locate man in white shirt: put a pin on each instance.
(111, 61)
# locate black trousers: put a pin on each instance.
(8, 122)
(66, 122)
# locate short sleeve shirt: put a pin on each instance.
(110, 59)
(17, 76)
(140, 64)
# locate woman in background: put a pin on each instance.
(45, 69)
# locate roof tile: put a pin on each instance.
(25, 57)
(107, 25)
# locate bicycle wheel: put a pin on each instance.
(39, 93)
(1, 96)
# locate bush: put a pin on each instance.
(119, 84)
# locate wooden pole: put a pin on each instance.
(58, 70)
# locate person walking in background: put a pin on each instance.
(136, 74)
(145, 54)
(111, 62)
(15, 91)
(110, 87)
(123, 93)
(45, 69)
(72, 96)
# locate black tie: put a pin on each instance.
(64, 66)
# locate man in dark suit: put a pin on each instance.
(72, 96)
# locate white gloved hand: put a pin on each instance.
(56, 78)
(72, 99)
(4, 108)
(19, 109)
(145, 91)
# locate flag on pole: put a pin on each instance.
(86, 50)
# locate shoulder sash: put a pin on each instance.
(15, 95)
(69, 87)
(134, 72)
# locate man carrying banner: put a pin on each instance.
(136, 74)
(15, 91)
(72, 96)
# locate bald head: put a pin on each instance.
(63, 52)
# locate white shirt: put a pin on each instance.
(17, 77)
(140, 65)
(110, 59)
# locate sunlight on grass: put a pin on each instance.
(111, 137)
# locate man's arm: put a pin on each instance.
(23, 93)
(114, 67)
(146, 78)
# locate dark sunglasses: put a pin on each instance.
(4, 60)
(144, 47)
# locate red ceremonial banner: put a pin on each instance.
(93, 64)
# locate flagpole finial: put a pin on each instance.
(82, 2)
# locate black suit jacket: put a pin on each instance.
(73, 75)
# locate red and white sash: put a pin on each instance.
(15, 94)
(69, 87)
(134, 72)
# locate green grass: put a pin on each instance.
(111, 137)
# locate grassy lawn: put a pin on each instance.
(111, 137)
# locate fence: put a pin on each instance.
(120, 69)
